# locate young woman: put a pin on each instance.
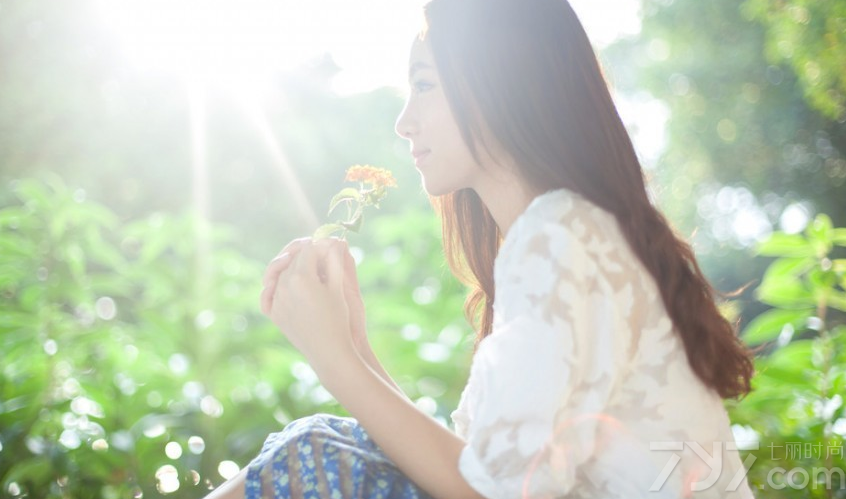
(601, 359)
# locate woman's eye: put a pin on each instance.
(421, 86)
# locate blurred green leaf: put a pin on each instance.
(768, 325)
(12, 216)
(34, 194)
(785, 294)
(36, 470)
(794, 357)
(788, 269)
(822, 279)
(820, 229)
(10, 319)
(790, 245)
(837, 300)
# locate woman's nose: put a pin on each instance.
(406, 125)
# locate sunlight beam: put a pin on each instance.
(200, 187)
(289, 178)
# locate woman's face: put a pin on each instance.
(440, 153)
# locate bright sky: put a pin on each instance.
(236, 43)
(368, 39)
(378, 54)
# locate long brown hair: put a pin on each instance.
(524, 72)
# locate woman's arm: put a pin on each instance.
(367, 355)
(422, 448)
(308, 305)
(358, 322)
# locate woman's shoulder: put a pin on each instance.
(568, 216)
(562, 235)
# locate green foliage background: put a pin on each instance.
(120, 339)
(128, 307)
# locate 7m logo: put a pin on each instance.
(713, 462)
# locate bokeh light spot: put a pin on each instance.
(167, 479)
(173, 450)
(178, 363)
(411, 332)
(427, 405)
(196, 445)
(794, 218)
(154, 399)
(204, 319)
(106, 308)
(433, 352)
(727, 130)
(70, 439)
(51, 347)
(211, 406)
(228, 469)
(155, 430)
(100, 445)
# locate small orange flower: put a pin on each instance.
(379, 177)
(372, 189)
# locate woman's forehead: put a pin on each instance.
(420, 54)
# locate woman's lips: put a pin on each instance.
(420, 155)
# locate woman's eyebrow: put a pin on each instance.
(417, 66)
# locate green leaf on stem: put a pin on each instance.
(346, 194)
(327, 230)
(354, 224)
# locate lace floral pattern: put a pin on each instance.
(583, 379)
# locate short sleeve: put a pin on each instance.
(544, 375)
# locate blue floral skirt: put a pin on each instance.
(326, 457)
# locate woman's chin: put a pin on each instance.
(436, 190)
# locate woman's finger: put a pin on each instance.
(277, 266)
(349, 266)
(266, 299)
(295, 245)
(334, 266)
(306, 261)
(315, 262)
(271, 279)
(283, 261)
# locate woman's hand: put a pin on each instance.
(352, 291)
(274, 269)
(355, 304)
(304, 297)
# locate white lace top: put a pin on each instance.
(583, 389)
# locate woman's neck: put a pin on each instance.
(506, 197)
